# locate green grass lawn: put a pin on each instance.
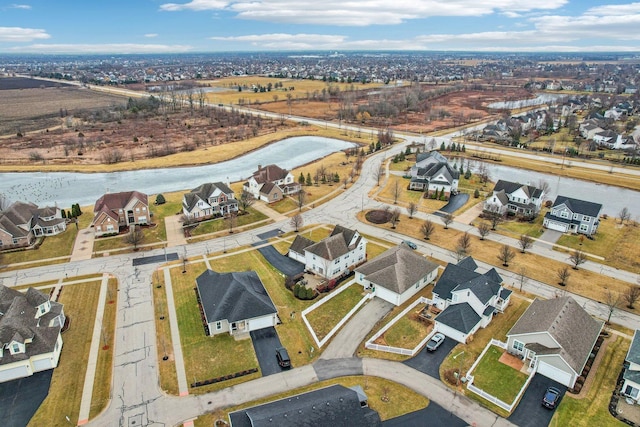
(325, 317)
(408, 331)
(496, 378)
(51, 247)
(285, 205)
(515, 228)
(168, 376)
(592, 410)
(219, 224)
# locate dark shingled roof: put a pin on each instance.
(336, 245)
(569, 325)
(461, 317)
(397, 269)
(333, 406)
(633, 355)
(579, 206)
(511, 187)
(462, 276)
(233, 296)
(269, 173)
(203, 192)
(300, 243)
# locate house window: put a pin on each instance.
(585, 218)
(564, 214)
(631, 392)
(517, 345)
(43, 309)
(584, 227)
(15, 348)
(218, 325)
(144, 209)
(137, 209)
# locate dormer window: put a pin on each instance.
(16, 348)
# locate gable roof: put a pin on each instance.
(511, 187)
(203, 192)
(442, 168)
(20, 218)
(633, 355)
(461, 317)
(233, 296)
(569, 324)
(463, 276)
(430, 157)
(579, 206)
(333, 406)
(397, 269)
(115, 201)
(269, 173)
(300, 243)
(337, 244)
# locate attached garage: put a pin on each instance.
(557, 226)
(42, 364)
(452, 333)
(555, 373)
(261, 322)
(15, 372)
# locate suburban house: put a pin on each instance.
(631, 374)
(209, 200)
(468, 299)
(271, 183)
(333, 256)
(234, 303)
(573, 215)
(331, 406)
(433, 174)
(556, 338)
(21, 223)
(514, 198)
(115, 210)
(30, 326)
(397, 274)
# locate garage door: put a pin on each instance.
(555, 374)
(17, 372)
(450, 332)
(260, 322)
(557, 226)
(41, 365)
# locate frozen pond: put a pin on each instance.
(65, 188)
(542, 98)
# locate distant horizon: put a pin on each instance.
(122, 27)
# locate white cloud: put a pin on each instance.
(20, 6)
(196, 5)
(18, 34)
(103, 48)
(151, 35)
(614, 9)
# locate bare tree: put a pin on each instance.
(563, 275)
(631, 296)
(464, 243)
(378, 173)
(544, 186)
(624, 215)
(484, 229)
(301, 197)
(459, 254)
(412, 209)
(447, 219)
(525, 242)
(427, 229)
(506, 255)
(397, 190)
(231, 221)
(134, 236)
(296, 222)
(395, 217)
(246, 200)
(612, 301)
(495, 218)
(483, 173)
(577, 258)
(522, 277)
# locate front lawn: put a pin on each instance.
(496, 378)
(327, 316)
(515, 228)
(408, 331)
(51, 247)
(220, 224)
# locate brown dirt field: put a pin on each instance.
(511, 360)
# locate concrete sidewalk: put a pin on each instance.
(83, 246)
(175, 235)
(271, 213)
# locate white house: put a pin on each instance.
(21, 223)
(631, 375)
(555, 337)
(468, 299)
(573, 216)
(271, 183)
(331, 257)
(397, 274)
(30, 333)
(235, 303)
(209, 200)
(433, 174)
(518, 199)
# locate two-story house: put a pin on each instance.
(433, 174)
(468, 299)
(631, 374)
(514, 198)
(573, 216)
(21, 223)
(333, 256)
(30, 326)
(209, 200)
(115, 210)
(271, 183)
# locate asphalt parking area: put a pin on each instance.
(455, 203)
(429, 362)
(286, 265)
(20, 399)
(265, 341)
(433, 415)
(530, 412)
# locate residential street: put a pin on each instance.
(136, 397)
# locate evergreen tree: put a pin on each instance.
(301, 179)
(160, 200)
(308, 180)
(63, 213)
(464, 148)
(336, 177)
(442, 147)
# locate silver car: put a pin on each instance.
(435, 342)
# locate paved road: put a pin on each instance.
(530, 412)
(429, 362)
(286, 265)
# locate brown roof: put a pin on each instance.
(568, 324)
(269, 173)
(397, 269)
(300, 244)
(336, 245)
(115, 201)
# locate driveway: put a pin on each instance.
(436, 415)
(20, 399)
(429, 362)
(455, 203)
(530, 412)
(286, 265)
(550, 236)
(265, 341)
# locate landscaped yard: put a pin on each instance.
(327, 316)
(496, 378)
(220, 224)
(51, 247)
(407, 332)
(515, 228)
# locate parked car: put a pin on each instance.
(411, 244)
(283, 357)
(551, 397)
(435, 342)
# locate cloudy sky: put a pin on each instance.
(156, 26)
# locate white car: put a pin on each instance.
(435, 342)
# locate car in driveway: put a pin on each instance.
(551, 397)
(435, 342)
(283, 357)
(410, 244)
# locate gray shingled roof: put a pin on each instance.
(336, 245)
(579, 206)
(233, 296)
(203, 192)
(461, 317)
(397, 269)
(462, 276)
(300, 243)
(633, 355)
(333, 406)
(568, 323)
(510, 187)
